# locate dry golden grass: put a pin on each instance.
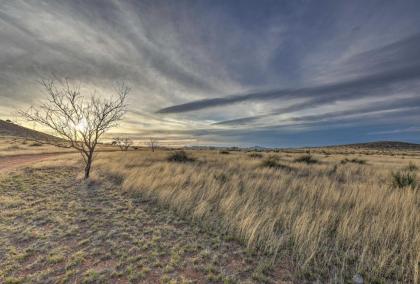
(57, 228)
(12, 146)
(15, 146)
(334, 218)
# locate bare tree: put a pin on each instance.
(123, 142)
(77, 119)
(153, 143)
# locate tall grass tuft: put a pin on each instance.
(412, 167)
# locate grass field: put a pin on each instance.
(12, 146)
(214, 217)
(336, 215)
(16, 146)
(55, 228)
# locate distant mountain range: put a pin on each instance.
(376, 145)
(384, 145)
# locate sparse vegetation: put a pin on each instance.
(35, 144)
(323, 219)
(403, 179)
(180, 157)
(256, 155)
(412, 167)
(273, 162)
(224, 152)
(124, 143)
(308, 159)
(153, 143)
(331, 221)
(354, 160)
(54, 230)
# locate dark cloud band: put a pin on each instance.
(386, 73)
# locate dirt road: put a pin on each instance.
(12, 162)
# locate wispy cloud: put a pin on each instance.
(403, 67)
(220, 71)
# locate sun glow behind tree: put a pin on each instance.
(79, 120)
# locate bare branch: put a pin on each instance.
(153, 143)
(77, 119)
(123, 143)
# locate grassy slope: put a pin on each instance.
(16, 146)
(55, 229)
(13, 146)
(12, 129)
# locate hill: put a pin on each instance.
(8, 128)
(384, 145)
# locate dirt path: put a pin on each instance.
(12, 162)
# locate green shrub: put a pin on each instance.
(180, 157)
(224, 152)
(222, 178)
(270, 162)
(273, 162)
(308, 159)
(355, 160)
(403, 179)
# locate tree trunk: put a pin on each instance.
(87, 167)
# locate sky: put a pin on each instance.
(225, 73)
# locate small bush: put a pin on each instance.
(180, 157)
(13, 147)
(411, 167)
(12, 280)
(255, 155)
(224, 152)
(403, 179)
(308, 159)
(355, 161)
(35, 144)
(222, 178)
(273, 162)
